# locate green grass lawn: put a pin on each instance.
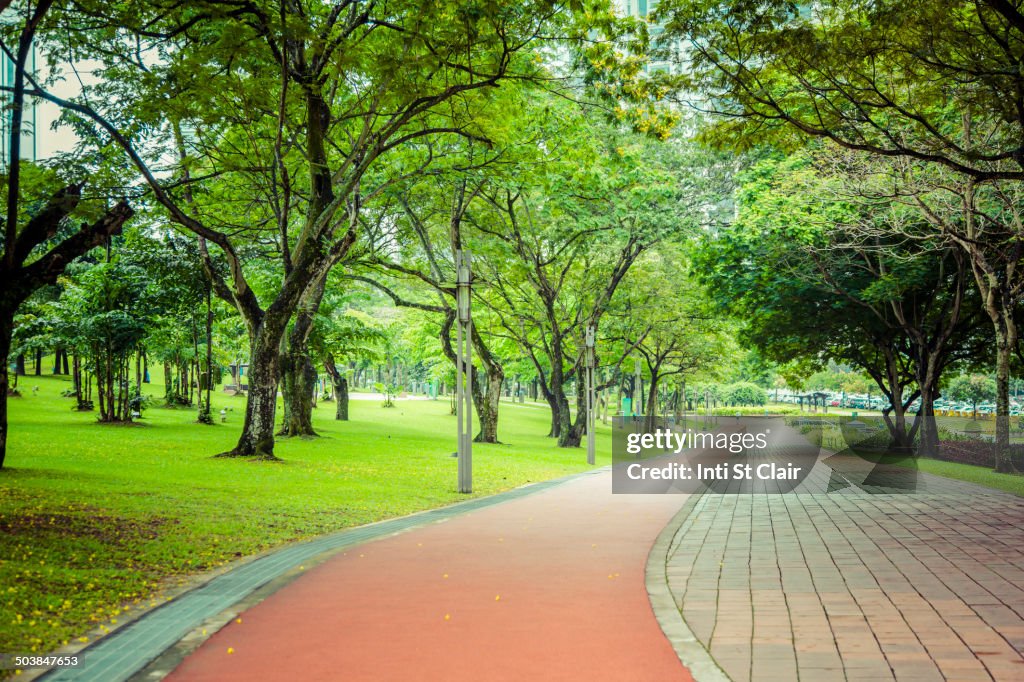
(973, 474)
(99, 520)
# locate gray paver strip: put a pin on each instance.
(687, 645)
(855, 586)
(127, 650)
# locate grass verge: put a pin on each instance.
(1011, 483)
(99, 520)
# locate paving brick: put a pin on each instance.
(857, 586)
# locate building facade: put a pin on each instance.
(29, 148)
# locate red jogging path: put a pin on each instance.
(549, 586)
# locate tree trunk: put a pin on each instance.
(138, 372)
(19, 365)
(928, 435)
(341, 399)
(101, 395)
(340, 384)
(556, 421)
(76, 379)
(257, 439)
(572, 431)
(569, 435)
(209, 352)
(1005, 340)
(298, 376)
(168, 385)
(487, 400)
(652, 401)
(298, 379)
(893, 384)
(206, 382)
(564, 417)
(487, 405)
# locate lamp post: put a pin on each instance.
(638, 399)
(590, 360)
(464, 371)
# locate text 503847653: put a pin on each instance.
(23, 661)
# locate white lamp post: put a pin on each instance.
(590, 361)
(464, 371)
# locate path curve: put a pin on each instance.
(546, 587)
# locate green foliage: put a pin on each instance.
(835, 379)
(972, 388)
(102, 314)
(744, 393)
(98, 522)
(884, 76)
(814, 277)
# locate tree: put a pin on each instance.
(932, 86)
(672, 331)
(430, 233)
(972, 388)
(39, 240)
(109, 307)
(815, 274)
(326, 90)
(345, 336)
(980, 220)
(887, 77)
(987, 223)
(181, 314)
(559, 237)
(745, 393)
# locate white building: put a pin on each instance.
(641, 9)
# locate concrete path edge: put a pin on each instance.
(690, 651)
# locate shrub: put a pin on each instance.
(745, 393)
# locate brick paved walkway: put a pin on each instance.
(852, 586)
